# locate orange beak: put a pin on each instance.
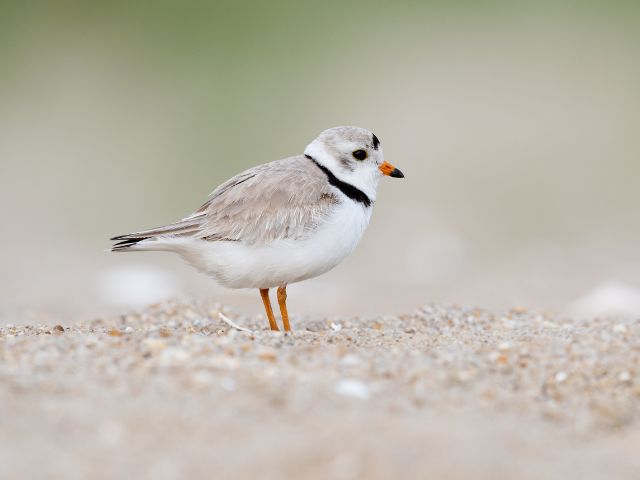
(390, 171)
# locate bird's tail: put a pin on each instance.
(153, 239)
(126, 243)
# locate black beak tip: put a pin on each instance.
(396, 173)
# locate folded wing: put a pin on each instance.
(286, 199)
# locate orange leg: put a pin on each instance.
(282, 301)
(264, 293)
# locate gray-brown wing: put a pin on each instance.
(285, 199)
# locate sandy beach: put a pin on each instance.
(441, 392)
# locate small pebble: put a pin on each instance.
(154, 345)
(624, 377)
(620, 328)
(561, 377)
(499, 358)
(352, 388)
(267, 354)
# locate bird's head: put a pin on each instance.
(354, 155)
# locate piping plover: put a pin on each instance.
(281, 222)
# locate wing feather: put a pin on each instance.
(286, 199)
(279, 200)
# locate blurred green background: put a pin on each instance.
(517, 126)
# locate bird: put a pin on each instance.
(281, 222)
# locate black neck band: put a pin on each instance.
(349, 190)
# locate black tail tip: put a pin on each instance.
(125, 242)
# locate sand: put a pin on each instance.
(443, 392)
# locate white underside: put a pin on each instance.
(283, 262)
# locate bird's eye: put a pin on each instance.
(359, 154)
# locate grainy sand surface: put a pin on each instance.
(442, 392)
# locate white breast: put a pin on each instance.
(282, 262)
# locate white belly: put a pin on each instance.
(282, 262)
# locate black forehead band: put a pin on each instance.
(376, 142)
